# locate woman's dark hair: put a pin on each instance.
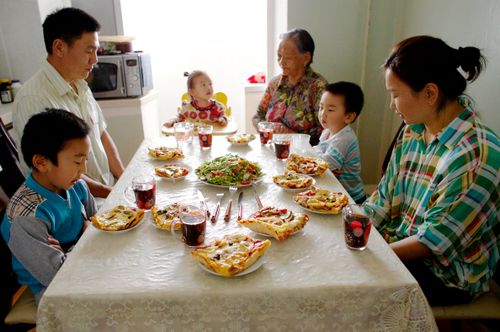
(352, 93)
(420, 60)
(303, 41)
(67, 24)
(47, 132)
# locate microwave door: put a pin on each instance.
(106, 80)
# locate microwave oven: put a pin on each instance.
(121, 76)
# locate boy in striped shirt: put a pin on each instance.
(338, 145)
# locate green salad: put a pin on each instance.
(229, 170)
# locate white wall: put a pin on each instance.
(225, 38)
(465, 23)
(22, 49)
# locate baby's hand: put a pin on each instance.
(169, 123)
(222, 121)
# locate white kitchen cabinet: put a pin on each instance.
(130, 121)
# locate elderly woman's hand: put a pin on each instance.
(280, 128)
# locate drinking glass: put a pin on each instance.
(265, 131)
(194, 224)
(282, 144)
(183, 132)
(144, 191)
(357, 225)
(205, 136)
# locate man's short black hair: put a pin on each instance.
(67, 24)
(47, 132)
(353, 95)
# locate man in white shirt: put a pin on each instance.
(71, 41)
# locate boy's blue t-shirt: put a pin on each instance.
(64, 218)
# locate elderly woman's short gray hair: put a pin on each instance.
(303, 41)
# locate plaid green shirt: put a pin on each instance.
(446, 193)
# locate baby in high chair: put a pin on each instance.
(202, 107)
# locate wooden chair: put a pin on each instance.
(486, 307)
(17, 304)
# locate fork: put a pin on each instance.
(215, 215)
(232, 191)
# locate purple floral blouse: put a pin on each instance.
(296, 106)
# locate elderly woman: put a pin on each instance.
(437, 204)
(292, 99)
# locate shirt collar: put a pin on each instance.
(41, 190)
(62, 87)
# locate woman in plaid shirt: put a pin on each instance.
(437, 204)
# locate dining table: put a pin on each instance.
(145, 279)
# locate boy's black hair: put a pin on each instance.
(67, 24)
(47, 132)
(353, 96)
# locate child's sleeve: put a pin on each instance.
(333, 156)
(28, 242)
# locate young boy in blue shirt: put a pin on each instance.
(49, 212)
(341, 104)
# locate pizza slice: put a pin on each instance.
(163, 152)
(164, 217)
(171, 171)
(306, 165)
(278, 223)
(232, 254)
(322, 200)
(293, 180)
(118, 218)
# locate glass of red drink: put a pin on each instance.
(357, 226)
(193, 225)
(144, 189)
(266, 130)
(205, 136)
(282, 144)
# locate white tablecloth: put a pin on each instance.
(146, 280)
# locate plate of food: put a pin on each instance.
(163, 217)
(240, 139)
(306, 165)
(254, 267)
(119, 219)
(275, 222)
(321, 201)
(232, 255)
(229, 170)
(165, 153)
(293, 181)
(172, 171)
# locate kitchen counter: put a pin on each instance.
(6, 114)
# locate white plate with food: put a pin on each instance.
(240, 139)
(172, 171)
(251, 269)
(229, 170)
(119, 219)
(309, 165)
(165, 153)
(293, 182)
(241, 185)
(321, 201)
